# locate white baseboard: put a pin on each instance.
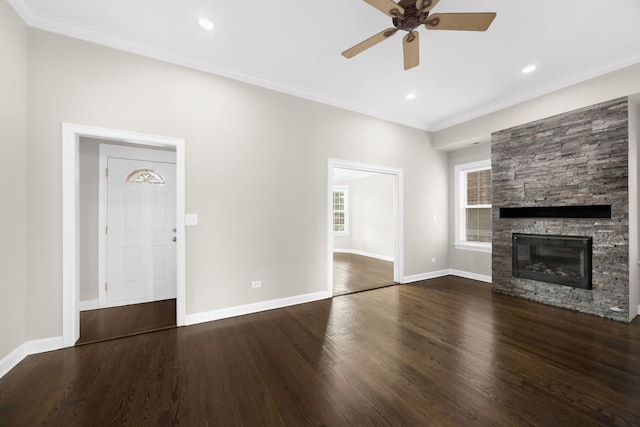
(192, 319)
(425, 276)
(447, 272)
(363, 253)
(94, 304)
(154, 298)
(90, 304)
(44, 345)
(473, 276)
(12, 359)
(28, 348)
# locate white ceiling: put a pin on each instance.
(294, 47)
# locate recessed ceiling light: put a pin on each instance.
(206, 24)
(529, 69)
(410, 96)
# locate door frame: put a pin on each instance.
(398, 213)
(71, 134)
(105, 151)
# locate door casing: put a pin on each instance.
(71, 134)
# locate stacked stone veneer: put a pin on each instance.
(576, 158)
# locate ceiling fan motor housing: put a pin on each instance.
(412, 17)
(406, 23)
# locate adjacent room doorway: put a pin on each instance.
(364, 226)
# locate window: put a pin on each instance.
(145, 176)
(341, 210)
(473, 206)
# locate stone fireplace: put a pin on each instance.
(560, 192)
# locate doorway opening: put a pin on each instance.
(127, 239)
(364, 226)
(72, 136)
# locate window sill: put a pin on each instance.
(477, 247)
(340, 233)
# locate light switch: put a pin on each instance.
(191, 219)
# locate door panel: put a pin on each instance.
(141, 223)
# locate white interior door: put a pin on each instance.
(140, 232)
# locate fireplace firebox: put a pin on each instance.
(564, 260)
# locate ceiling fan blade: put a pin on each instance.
(426, 5)
(371, 41)
(386, 6)
(460, 21)
(411, 50)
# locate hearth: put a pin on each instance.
(564, 260)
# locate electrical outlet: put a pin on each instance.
(433, 260)
(256, 284)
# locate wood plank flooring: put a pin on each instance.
(119, 322)
(356, 273)
(443, 352)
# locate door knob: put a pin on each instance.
(174, 239)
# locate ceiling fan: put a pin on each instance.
(407, 15)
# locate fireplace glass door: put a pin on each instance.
(565, 260)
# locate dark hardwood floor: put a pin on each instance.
(355, 273)
(435, 353)
(119, 322)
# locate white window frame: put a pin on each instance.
(345, 190)
(460, 172)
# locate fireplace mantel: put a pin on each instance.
(578, 211)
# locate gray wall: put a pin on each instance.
(468, 261)
(371, 216)
(88, 207)
(243, 144)
(13, 168)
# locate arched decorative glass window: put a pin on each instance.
(145, 176)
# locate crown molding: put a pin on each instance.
(75, 30)
(615, 65)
